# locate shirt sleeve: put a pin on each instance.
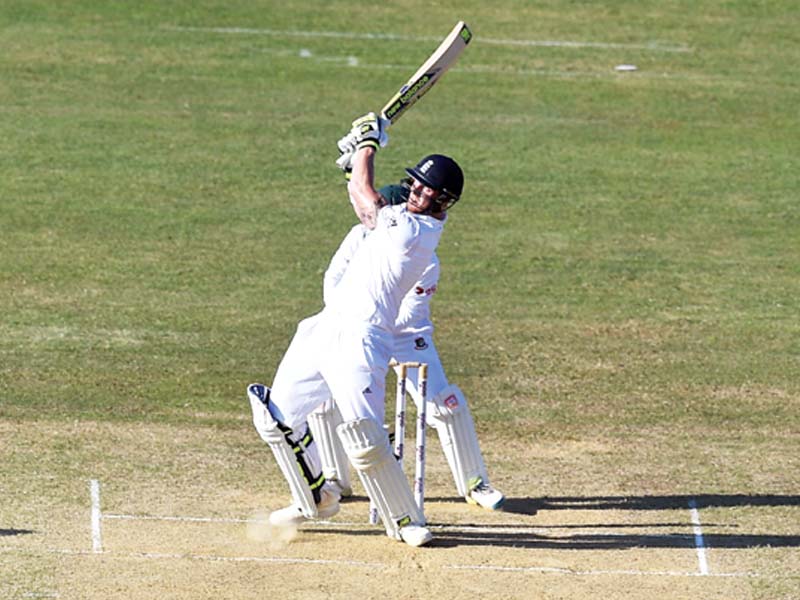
(402, 229)
(341, 259)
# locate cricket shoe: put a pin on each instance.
(484, 495)
(415, 535)
(293, 515)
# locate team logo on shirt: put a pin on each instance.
(451, 402)
(420, 343)
(419, 290)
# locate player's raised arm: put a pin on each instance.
(367, 135)
(366, 200)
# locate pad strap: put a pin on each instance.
(291, 453)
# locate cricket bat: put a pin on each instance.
(428, 74)
(421, 82)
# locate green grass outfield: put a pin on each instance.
(624, 266)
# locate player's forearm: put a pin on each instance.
(365, 198)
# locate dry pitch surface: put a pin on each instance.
(182, 517)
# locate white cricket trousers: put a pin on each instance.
(419, 347)
(332, 358)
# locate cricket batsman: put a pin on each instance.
(447, 410)
(344, 351)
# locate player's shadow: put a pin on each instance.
(669, 535)
(520, 506)
(613, 541)
(11, 532)
(676, 502)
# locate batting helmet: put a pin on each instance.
(440, 173)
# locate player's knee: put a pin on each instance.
(365, 441)
(448, 402)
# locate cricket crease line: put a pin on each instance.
(181, 519)
(373, 565)
(699, 542)
(564, 571)
(215, 558)
(351, 35)
(96, 516)
(97, 546)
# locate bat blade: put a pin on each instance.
(429, 73)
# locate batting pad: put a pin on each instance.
(289, 454)
(335, 465)
(367, 444)
(449, 414)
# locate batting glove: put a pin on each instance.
(347, 144)
(370, 130)
(345, 163)
(347, 149)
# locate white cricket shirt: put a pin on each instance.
(385, 266)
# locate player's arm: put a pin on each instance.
(367, 135)
(365, 198)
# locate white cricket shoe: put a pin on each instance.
(415, 535)
(484, 495)
(293, 515)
